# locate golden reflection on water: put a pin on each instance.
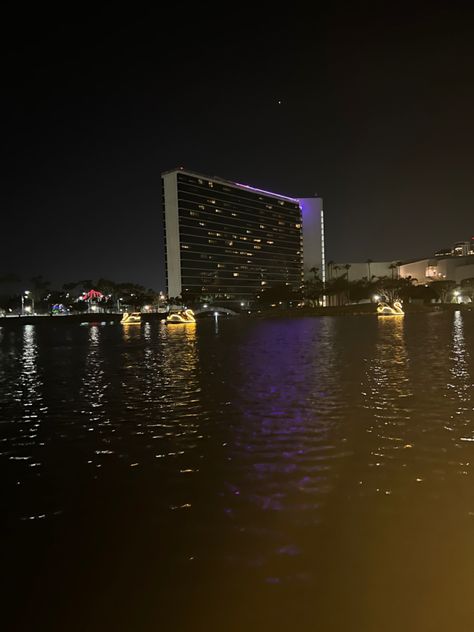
(131, 331)
(461, 380)
(31, 383)
(180, 358)
(460, 383)
(94, 384)
(387, 392)
(166, 388)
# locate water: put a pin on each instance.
(304, 474)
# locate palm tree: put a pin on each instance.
(314, 272)
(392, 267)
(347, 267)
(368, 262)
(330, 265)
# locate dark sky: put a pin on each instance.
(376, 116)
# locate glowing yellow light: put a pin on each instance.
(383, 309)
(134, 318)
(187, 316)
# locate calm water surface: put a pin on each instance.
(304, 474)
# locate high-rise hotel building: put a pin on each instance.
(230, 240)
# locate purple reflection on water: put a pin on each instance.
(281, 393)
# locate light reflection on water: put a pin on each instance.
(294, 466)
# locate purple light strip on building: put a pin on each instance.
(285, 197)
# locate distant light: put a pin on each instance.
(242, 304)
(376, 297)
(205, 306)
(27, 292)
(216, 314)
(456, 292)
(28, 309)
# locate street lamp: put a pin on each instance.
(24, 295)
(29, 295)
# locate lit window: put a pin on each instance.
(235, 274)
(297, 225)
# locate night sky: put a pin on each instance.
(370, 107)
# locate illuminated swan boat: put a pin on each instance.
(384, 309)
(132, 318)
(179, 318)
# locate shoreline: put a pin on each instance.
(300, 312)
(365, 309)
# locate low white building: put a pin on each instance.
(452, 268)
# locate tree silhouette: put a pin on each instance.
(369, 261)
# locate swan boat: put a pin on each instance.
(131, 318)
(384, 309)
(179, 318)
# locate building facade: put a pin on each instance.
(449, 264)
(228, 241)
(453, 268)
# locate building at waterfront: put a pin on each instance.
(228, 241)
(457, 268)
(450, 264)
